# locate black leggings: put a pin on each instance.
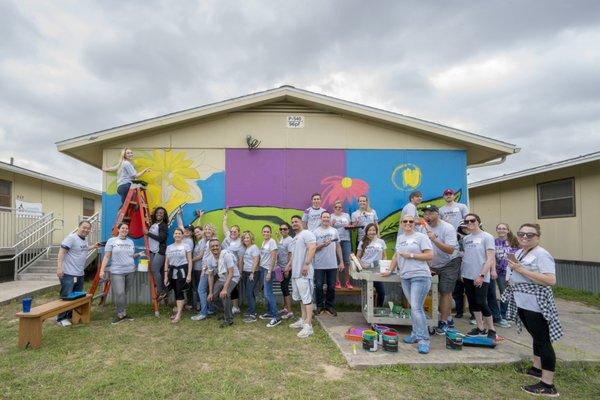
(235, 293)
(537, 327)
(477, 297)
(285, 285)
(178, 284)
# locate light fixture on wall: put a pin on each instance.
(252, 143)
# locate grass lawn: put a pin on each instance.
(149, 358)
(589, 298)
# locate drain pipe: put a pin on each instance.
(489, 163)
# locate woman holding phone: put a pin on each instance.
(531, 303)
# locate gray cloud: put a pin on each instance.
(523, 72)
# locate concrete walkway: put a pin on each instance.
(581, 325)
(16, 290)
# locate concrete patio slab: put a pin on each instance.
(16, 290)
(580, 323)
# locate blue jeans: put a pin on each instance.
(122, 190)
(68, 285)
(415, 290)
(268, 290)
(346, 246)
(325, 276)
(501, 282)
(493, 301)
(203, 294)
(249, 290)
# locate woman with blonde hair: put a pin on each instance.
(126, 173)
(249, 261)
(364, 216)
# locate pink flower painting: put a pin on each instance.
(342, 188)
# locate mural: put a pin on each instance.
(268, 186)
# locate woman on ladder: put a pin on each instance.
(126, 173)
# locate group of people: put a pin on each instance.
(448, 242)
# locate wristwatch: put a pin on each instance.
(482, 275)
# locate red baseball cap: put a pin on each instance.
(448, 191)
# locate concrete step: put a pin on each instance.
(44, 262)
(38, 277)
(41, 269)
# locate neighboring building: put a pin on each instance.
(564, 198)
(28, 197)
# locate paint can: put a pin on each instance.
(143, 265)
(390, 341)
(369, 340)
(380, 329)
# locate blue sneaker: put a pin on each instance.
(441, 328)
(450, 324)
(410, 339)
(423, 347)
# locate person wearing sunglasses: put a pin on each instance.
(283, 258)
(229, 276)
(250, 260)
(413, 252)
(531, 303)
(268, 258)
(478, 260)
(340, 220)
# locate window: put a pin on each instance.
(88, 207)
(556, 199)
(5, 193)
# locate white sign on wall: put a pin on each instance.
(24, 207)
(295, 121)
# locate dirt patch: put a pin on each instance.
(332, 373)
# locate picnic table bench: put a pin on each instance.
(30, 324)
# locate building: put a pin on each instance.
(262, 156)
(38, 210)
(563, 197)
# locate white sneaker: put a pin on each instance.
(198, 317)
(306, 331)
(298, 324)
(64, 322)
(235, 310)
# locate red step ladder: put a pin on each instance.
(134, 212)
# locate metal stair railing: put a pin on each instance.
(35, 244)
(15, 225)
(95, 233)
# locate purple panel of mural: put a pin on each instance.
(278, 177)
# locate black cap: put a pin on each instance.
(431, 207)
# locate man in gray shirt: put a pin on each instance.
(445, 264)
(229, 276)
(311, 219)
(71, 264)
(415, 198)
(452, 212)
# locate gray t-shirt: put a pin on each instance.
(416, 243)
(410, 209)
(209, 262)
(77, 251)
(283, 251)
(475, 247)
(340, 222)
(537, 260)
(153, 244)
(326, 257)
(299, 247)
(265, 253)
(198, 249)
(189, 243)
(364, 218)
(177, 254)
(227, 262)
(373, 252)
(126, 174)
(121, 258)
(312, 217)
(453, 214)
(249, 255)
(447, 235)
(234, 246)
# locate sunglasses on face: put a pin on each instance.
(283, 229)
(408, 221)
(470, 221)
(528, 235)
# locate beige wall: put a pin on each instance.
(65, 202)
(515, 202)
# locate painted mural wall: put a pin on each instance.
(268, 186)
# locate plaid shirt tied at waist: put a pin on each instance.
(545, 300)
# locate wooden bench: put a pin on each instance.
(30, 324)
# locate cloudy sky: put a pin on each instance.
(525, 72)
